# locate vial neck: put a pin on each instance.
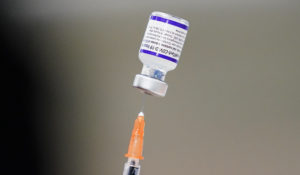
(154, 72)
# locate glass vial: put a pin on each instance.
(160, 52)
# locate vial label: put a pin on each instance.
(164, 38)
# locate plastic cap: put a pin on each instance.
(135, 148)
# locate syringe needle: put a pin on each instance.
(135, 148)
(143, 102)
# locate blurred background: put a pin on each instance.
(233, 104)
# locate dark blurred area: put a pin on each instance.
(232, 107)
(25, 91)
(21, 88)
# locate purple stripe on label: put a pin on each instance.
(159, 55)
(157, 18)
(174, 23)
(148, 52)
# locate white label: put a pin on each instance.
(163, 38)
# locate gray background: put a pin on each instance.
(233, 103)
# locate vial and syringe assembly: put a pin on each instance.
(160, 51)
(135, 148)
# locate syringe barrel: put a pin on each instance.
(132, 167)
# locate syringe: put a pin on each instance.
(135, 149)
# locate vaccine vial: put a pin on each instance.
(160, 52)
